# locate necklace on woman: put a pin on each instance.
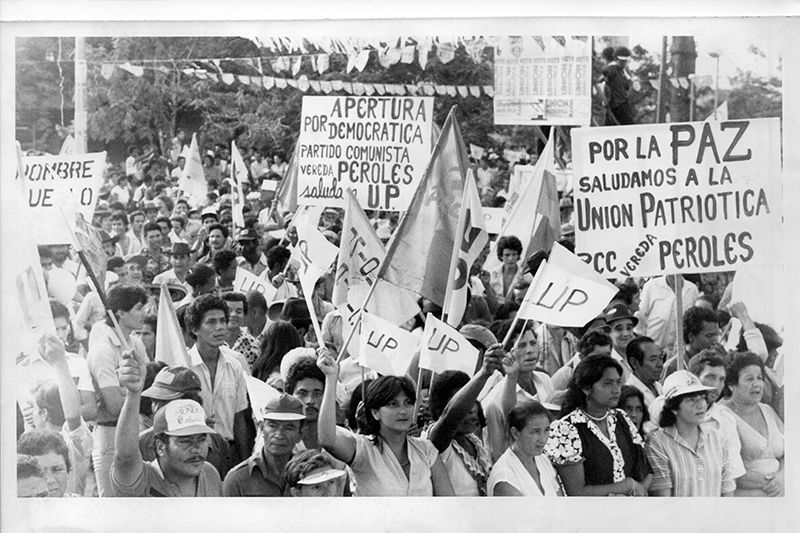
(595, 418)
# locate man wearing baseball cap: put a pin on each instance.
(251, 259)
(263, 474)
(311, 473)
(181, 444)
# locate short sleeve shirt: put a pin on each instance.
(152, 483)
(228, 394)
(574, 440)
(377, 471)
(104, 358)
(255, 477)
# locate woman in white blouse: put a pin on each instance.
(523, 470)
(387, 461)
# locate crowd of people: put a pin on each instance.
(609, 409)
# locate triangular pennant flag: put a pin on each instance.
(323, 63)
(193, 181)
(286, 196)
(352, 57)
(532, 215)
(170, 346)
(383, 58)
(684, 82)
(362, 59)
(441, 90)
(302, 83)
(297, 63)
(268, 82)
(228, 78)
(239, 175)
(384, 347)
(292, 83)
(358, 88)
(245, 80)
(338, 85)
(429, 89)
(411, 89)
(360, 254)
(451, 90)
(488, 90)
(566, 291)
(380, 89)
(260, 393)
(674, 82)
(369, 89)
(443, 348)
(107, 70)
(326, 86)
(408, 54)
(136, 70)
(430, 222)
(424, 50)
(281, 83)
(347, 87)
(471, 237)
(463, 90)
(315, 85)
(393, 56)
(446, 52)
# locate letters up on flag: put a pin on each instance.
(565, 291)
(385, 348)
(443, 348)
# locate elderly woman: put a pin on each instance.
(523, 470)
(595, 447)
(387, 461)
(687, 458)
(760, 429)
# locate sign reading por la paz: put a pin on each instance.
(53, 177)
(378, 146)
(677, 198)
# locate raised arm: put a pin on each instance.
(52, 350)
(337, 441)
(459, 405)
(128, 462)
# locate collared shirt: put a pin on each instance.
(161, 264)
(685, 471)
(255, 477)
(228, 394)
(220, 453)
(724, 421)
(152, 483)
(626, 368)
(657, 318)
(377, 471)
(104, 358)
(258, 268)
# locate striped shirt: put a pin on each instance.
(687, 472)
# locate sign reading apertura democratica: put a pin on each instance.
(378, 146)
(677, 198)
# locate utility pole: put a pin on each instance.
(683, 54)
(81, 136)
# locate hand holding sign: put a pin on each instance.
(493, 359)
(52, 350)
(326, 361)
(444, 348)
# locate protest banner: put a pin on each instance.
(443, 348)
(360, 254)
(522, 175)
(677, 198)
(50, 176)
(543, 80)
(385, 347)
(493, 219)
(260, 393)
(376, 145)
(245, 281)
(565, 291)
(193, 180)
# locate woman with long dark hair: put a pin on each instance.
(280, 338)
(387, 461)
(596, 449)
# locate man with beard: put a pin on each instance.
(263, 474)
(181, 443)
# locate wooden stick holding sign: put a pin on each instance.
(678, 282)
(343, 349)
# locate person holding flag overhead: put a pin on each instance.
(387, 461)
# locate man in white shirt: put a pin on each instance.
(646, 360)
(657, 315)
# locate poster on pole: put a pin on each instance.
(677, 198)
(49, 178)
(378, 146)
(543, 80)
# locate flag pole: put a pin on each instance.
(343, 349)
(510, 332)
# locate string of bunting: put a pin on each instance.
(318, 86)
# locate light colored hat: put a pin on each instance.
(293, 356)
(321, 475)
(682, 382)
(180, 418)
